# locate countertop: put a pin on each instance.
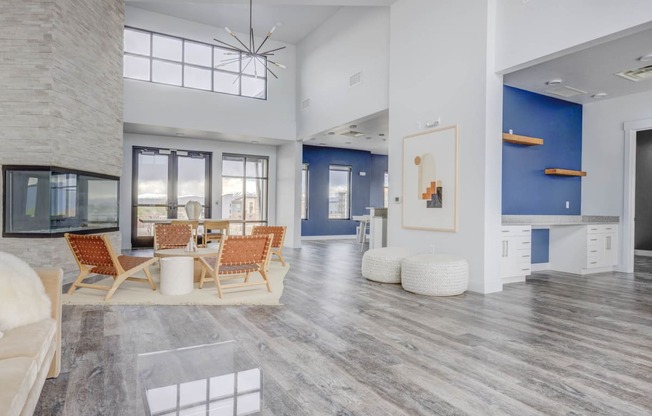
(548, 220)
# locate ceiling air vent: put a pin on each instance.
(305, 104)
(355, 79)
(566, 91)
(640, 74)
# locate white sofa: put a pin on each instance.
(30, 353)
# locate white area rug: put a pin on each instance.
(135, 293)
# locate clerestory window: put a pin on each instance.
(170, 60)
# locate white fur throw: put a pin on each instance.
(22, 297)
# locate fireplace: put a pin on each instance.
(47, 201)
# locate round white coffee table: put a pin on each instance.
(177, 275)
(180, 252)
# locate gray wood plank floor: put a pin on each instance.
(559, 344)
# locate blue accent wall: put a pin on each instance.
(378, 169)
(540, 244)
(362, 187)
(526, 189)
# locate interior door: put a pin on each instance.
(163, 182)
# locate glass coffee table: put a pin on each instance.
(211, 380)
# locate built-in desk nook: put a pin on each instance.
(579, 244)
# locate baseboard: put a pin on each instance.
(328, 237)
(537, 267)
(645, 253)
(513, 279)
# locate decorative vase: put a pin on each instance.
(193, 209)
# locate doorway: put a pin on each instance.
(629, 201)
(164, 180)
(643, 198)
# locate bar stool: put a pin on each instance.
(362, 229)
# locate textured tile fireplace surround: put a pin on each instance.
(61, 93)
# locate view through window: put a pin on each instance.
(244, 192)
(339, 192)
(304, 191)
(386, 191)
(171, 60)
(164, 181)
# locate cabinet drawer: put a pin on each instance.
(520, 243)
(594, 261)
(601, 228)
(593, 240)
(522, 257)
(516, 231)
(593, 251)
(525, 270)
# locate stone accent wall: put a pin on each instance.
(26, 94)
(88, 84)
(61, 93)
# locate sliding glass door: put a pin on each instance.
(163, 182)
(244, 191)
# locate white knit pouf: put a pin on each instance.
(435, 274)
(384, 264)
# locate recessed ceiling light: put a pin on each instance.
(382, 134)
(353, 126)
(254, 141)
(331, 133)
(322, 144)
(180, 134)
(313, 138)
(599, 95)
(347, 142)
(368, 138)
(646, 58)
(554, 82)
(384, 140)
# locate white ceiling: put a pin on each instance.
(591, 70)
(294, 22)
(376, 133)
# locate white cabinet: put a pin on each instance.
(584, 249)
(516, 253)
(377, 232)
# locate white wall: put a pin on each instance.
(169, 106)
(453, 81)
(603, 146)
(216, 147)
(288, 197)
(354, 40)
(528, 31)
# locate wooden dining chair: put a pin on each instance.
(237, 258)
(171, 236)
(215, 230)
(194, 225)
(279, 238)
(94, 255)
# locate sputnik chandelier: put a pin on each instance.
(250, 55)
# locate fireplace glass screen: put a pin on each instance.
(43, 201)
